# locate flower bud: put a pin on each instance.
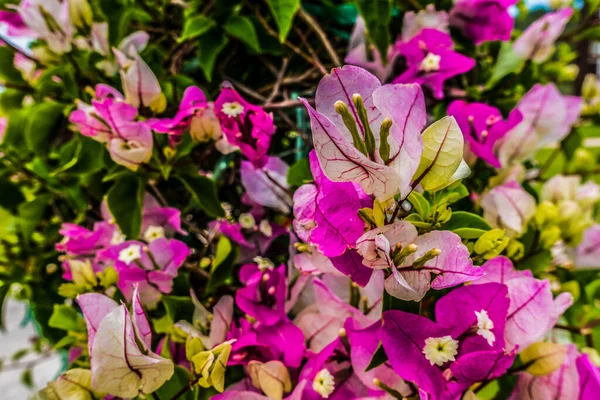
(549, 236)
(205, 125)
(491, 243)
(583, 161)
(546, 213)
(211, 365)
(81, 13)
(109, 277)
(590, 88)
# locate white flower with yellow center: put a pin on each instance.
(117, 238)
(324, 383)
(154, 232)
(265, 228)
(247, 221)
(232, 109)
(430, 63)
(439, 350)
(485, 326)
(130, 253)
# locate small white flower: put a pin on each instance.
(430, 63)
(485, 326)
(440, 350)
(232, 109)
(247, 221)
(265, 228)
(117, 237)
(154, 232)
(130, 253)
(324, 383)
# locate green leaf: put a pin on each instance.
(30, 214)
(42, 121)
(299, 173)
(225, 257)
(11, 99)
(8, 72)
(179, 380)
(243, 29)
(420, 204)
(196, 26)
(66, 318)
(4, 289)
(379, 358)
(204, 194)
(284, 11)
(13, 135)
(210, 45)
(392, 303)
(592, 33)
(124, 200)
(442, 154)
(11, 195)
(466, 225)
(179, 308)
(377, 16)
(571, 143)
(508, 62)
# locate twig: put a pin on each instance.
(312, 52)
(186, 388)
(283, 104)
(245, 89)
(322, 35)
(277, 85)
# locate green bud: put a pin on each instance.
(400, 253)
(549, 236)
(69, 290)
(569, 73)
(384, 146)
(515, 250)
(81, 13)
(546, 214)
(364, 120)
(583, 161)
(108, 277)
(491, 243)
(430, 255)
(589, 89)
(444, 214)
(342, 109)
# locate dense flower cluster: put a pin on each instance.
(422, 252)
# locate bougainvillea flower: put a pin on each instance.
(439, 252)
(267, 184)
(80, 241)
(363, 343)
(327, 212)
(153, 266)
(547, 118)
(245, 125)
(537, 42)
(168, 219)
(364, 55)
(421, 351)
(482, 126)
(15, 27)
(509, 207)
(589, 378)
(561, 384)
(43, 17)
(351, 95)
(587, 253)
(413, 23)
(321, 321)
(533, 311)
(329, 374)
(140, 85)
(122, 362)
(245, 390)
(129, 46)
(192, 102)
(431, 61)
(483, 20)
(263, 296)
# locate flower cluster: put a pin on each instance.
(420, 223)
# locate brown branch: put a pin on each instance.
(322, 35)
(283, 104)
(277, 84)
(313, 53)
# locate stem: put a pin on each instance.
(321, 34)
(186, 388)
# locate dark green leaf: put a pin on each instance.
(11, 195)
(8, 72)
(283, 11)
(379, 357)
(243, 29)
(179, 380)
(210, 46)
(571, 143)
(196, 26)
(592, 33)
(508, 62)
(27, 378)
(392, 303)
(462, 220)
(124, 200)
(179, 308)
(377, 16)
(31, 213)
(225, 258)
(42, 122)
(204, 194)
(299, 173)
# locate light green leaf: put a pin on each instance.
(299, 173)
(66, 318)
(243, 29)
(463, 219)
(508, 62)
(442, 154)
(210, 45)
(196, 26)
(420, 204)
(124, 200)
(283, 11)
